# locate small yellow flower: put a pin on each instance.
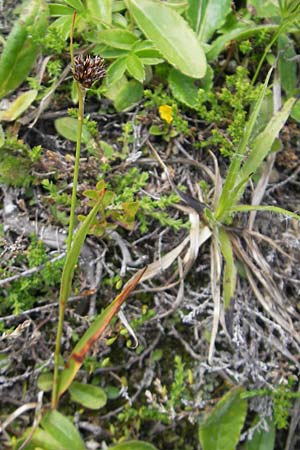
(166, 113)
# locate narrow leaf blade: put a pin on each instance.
(93, 333)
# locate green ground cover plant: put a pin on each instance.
(189, 87)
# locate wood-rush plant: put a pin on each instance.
(86, 71)
(54, 431)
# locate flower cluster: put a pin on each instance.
(88, 70)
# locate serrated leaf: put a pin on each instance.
(222, 427)
(22, 46)
(89, 396)
(67, 127)
(135, 67)
(171, 35)
(183, 88)
(19, 106)
(133, 445)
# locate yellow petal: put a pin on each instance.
(166, 113)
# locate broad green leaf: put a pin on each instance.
(143, 45)
(267, 8)
(41, 440)
(178, 5)
(147, 53)
(19, 106)
(295, 114)
(118, 5)
(89, 396)
(222, 427)
(113, 90)
(287, 67)
(67, 127)
(55, 433)
(119, 20)
(115, 71)
(230, 272)
(171, 35)
(183, 88)
(22, 46)
(110, 52)
(133, 445)
(130, 94)
(57, 10)
(262, 439)
(63, 431)
(76, 4)
(117, 38)
(207, 16)
(96, 329)
(100, 9)
(135, 67)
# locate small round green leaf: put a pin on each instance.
(67, 127)
(45, 381)
(89, 396)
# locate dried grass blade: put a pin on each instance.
(215, 276)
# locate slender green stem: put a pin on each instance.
(63, 297)
(66, 281)
(81, 98)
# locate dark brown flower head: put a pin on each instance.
(87, 70)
